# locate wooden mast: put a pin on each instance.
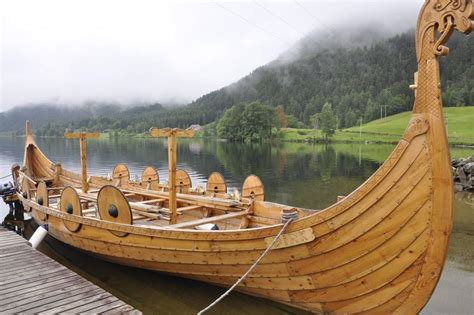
(82, 136)
(172, 134)
(27, 128)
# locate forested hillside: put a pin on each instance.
(52, 120)
(357, 80)
(42, 114)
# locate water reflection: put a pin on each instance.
(454, 292)
(303, 175)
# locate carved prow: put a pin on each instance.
(437, 21)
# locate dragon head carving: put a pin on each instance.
(437, 20)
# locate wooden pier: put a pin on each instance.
(31, 282)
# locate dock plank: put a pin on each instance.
(25, 274)
(28, 289)
(37, 290)
(75, 306)
(36, 283)
(120, 310)
(43, 296)
(21, 266)
(31, 282)
(103, 308)
(88, 303)
(19, 255)
(59, 299)
(22, 277)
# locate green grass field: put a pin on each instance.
(313, 135)
(460, 124)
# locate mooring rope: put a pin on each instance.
(250, 269)
(5, 176)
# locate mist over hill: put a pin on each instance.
(357, 80)
(357, 71)
(44, 113)
(89, 115)
(337, 38)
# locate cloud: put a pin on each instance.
(126, 51)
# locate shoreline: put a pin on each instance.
(343, 136)
(288, 136)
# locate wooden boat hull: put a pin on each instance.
(365, 253)
(379, 250)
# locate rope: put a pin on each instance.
(5, 176)
(248, 271)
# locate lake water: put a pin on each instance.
(303, 175)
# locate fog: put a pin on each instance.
(69, 52)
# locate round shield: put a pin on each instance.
(183, 181)
(25, 190)
(216, 183)
(253, 188)
(120, 174)
(114, 207)
(150, 178)
(42, 199)
(71, 204)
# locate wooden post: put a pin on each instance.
(27, 128)
(83, 149)
(172, 176)
(82, 136)
(171, 134)
(414, 86)
(57, 173)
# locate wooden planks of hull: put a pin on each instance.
(381, 249)
(353, 255)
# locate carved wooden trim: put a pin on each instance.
(441, 16)
(416, 127)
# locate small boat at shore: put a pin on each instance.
(380, 249)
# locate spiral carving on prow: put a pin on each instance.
(416, 127)
(437, 21)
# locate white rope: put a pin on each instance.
(248, 271)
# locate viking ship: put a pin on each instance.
(380, 249)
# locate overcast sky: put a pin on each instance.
(69, 51)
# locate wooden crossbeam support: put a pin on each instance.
(218, 203)
(188, 208)
(171, 134)
(191, 224)
(135, 206)
(82, 136)
(152, 201)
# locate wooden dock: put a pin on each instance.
(31, 282)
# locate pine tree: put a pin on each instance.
(328, 121)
